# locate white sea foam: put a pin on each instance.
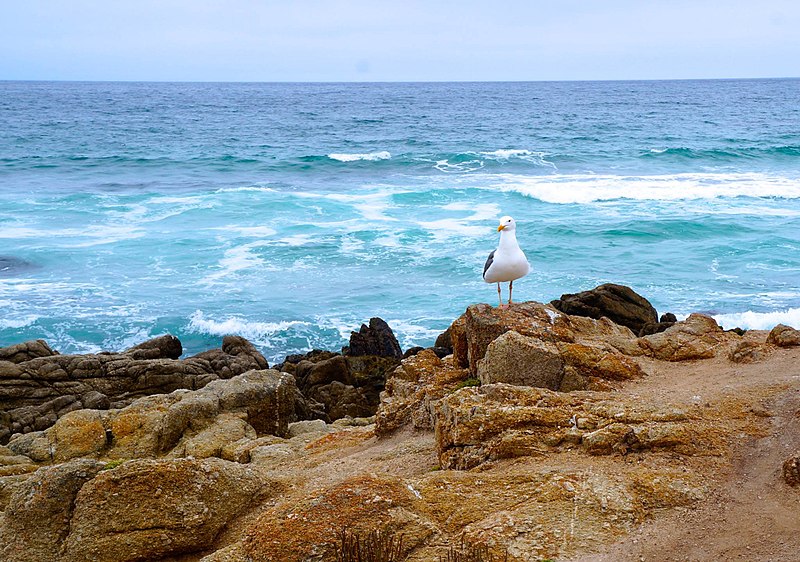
(760, 320)
(522, 154)
(245, 188)
(236, 259)
(587, 188)
(17, 323)
(409, 333)
(254, 231)
(460, 227)
(254, 331)
(370, 156)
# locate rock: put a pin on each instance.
(26, 351)
(442, 352)
(654, 328)
(39, 515)
(481, 324)
(306, 426)
(747, 352)
(784, 336)
(412, 351)
(163, 347)
(497, 421)
(40, 386)
(149, 509)
(310, 529)
(667, 317)
(791, 470)
(516, 359)
(198, 423)
(445, 339)
(617, 302)
(697, 337)
(377, 339)
(413, 389)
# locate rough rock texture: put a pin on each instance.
(499, 421)
(619, 303)
(158, 508)
(784, 336)
(747, 352)
(38, 386)
(412, 390)
(521, 360)
(38, 516)
(481, 324)
(338, 386)
(697, 337)
(140, 510)
(791, 470)
(198, 423)
(375, 339)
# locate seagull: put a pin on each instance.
(507, 262)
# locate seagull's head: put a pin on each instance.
(507, 223)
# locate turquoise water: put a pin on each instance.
(291, 213)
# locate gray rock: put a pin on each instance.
(523, 361)
(306, 426)
(618, 303)
(375, 339)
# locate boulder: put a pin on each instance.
(375, 339)
(39, 386)
(495, 421)
(198, 423)
(39, 514)
(150, 509)
(481, 324)
(619, 303)
(784, 336)
(516, 359)
(747, 352)
(697, 337)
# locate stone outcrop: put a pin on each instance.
(38, 385)
(375, 339)
(183, 423)
(618, 303)
(140, 510)
(522, 360)
(481, 324)
(498, 421)
(337, 385)
(791, 470)
(697, 337)
(784, 336)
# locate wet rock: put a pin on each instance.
(619, 303)
(412, 351)
(784, 336)
(668, 317)
(375, 339)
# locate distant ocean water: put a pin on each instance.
(291, 213)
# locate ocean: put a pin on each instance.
(292, 213)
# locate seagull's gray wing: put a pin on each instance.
(489, 261)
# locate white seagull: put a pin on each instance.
(507, 262)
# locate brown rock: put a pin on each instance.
(375, 339)
(39, 514)
(791, 470)
(148, 509)
(697, 337)
(163, 347)
(747, 352)
(26, 351)
(784, 336)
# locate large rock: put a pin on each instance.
(198, 423)
(39, 386)
(616, 302)
(697, 337)
(38, 517)
(496, 421)
(149, 509)
(344, 385)
(375, 339)
(784, 336)
(481, 324)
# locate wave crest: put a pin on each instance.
(369, 156)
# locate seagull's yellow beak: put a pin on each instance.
(501, 227)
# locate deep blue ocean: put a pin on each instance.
(292, 213)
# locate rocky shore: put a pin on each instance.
(589, 428)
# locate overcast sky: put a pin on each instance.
(409, 40)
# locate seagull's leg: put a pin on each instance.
(510, 288)
(499, 296)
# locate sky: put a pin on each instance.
(405, 40)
